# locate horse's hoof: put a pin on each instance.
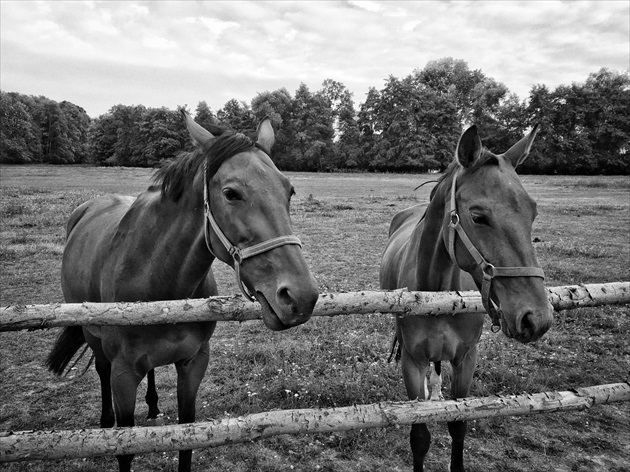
(159, 421)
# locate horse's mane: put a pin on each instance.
(177, 174)
(450, 170)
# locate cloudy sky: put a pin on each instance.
(99, 54)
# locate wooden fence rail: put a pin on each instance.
(44, 445)
(236, 308)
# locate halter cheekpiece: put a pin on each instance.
(489, 271)
(238, 254)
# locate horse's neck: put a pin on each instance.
(176, 258)
(435, 270)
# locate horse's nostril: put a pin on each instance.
(527, 323)
(284, 298)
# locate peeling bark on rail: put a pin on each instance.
(54, 445)
(236, 308)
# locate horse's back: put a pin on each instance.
(396, 264)
(89, 237)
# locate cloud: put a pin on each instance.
(98, 54)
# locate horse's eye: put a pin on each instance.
(480, 219)
(230, 194)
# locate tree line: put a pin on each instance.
(410, 125)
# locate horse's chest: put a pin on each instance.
(440, 338)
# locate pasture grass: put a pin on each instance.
(581, 236)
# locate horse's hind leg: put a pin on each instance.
(152, 397)
(460, 387)
(415, 383)
(103, 369)
(189, 376)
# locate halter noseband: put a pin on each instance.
(239, 255)
(489, 271)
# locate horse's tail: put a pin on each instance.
(398, 352)
(66, 346)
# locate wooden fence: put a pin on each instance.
(42, 445)
(26, 446)
(236, 308)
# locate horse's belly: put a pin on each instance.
(147, 347)
(91, 229)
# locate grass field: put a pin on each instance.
(582, 235)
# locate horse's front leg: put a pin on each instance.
(460, 387)
(189, 376)
(125, 381)
(414, 375)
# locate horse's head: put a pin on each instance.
(489, 218)
(249, 226)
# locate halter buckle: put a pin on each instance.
(236, 254)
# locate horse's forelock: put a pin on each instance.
(487, 158)
(175, 175)
(225, 146)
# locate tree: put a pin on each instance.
(78, 125)
(408, 127)
(20, 143)
(55, 140)
(510, 123)
(540, 110)
(102, 139)
(453, 79)
(607, 120)
(204, 116)
(162, 136)
(312, 118)
(237, 115)
(277, 105)
(345, 124)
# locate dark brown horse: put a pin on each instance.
(475, 233)
(225, 200)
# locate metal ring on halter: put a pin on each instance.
(488, 270)
(454, 219)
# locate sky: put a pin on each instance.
(100, 54)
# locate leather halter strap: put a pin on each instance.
(489, 271)
(238, 254)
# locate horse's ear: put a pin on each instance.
(198, 133)
(265, 136)
(519, 152)
(469, 148)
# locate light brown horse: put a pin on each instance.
(225, 200)
(475, 233)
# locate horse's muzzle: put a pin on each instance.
(291, 307)
(529, 326)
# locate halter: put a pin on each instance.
(239, 255)
(489, 271)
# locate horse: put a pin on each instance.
(224, 200)
(474, 234)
